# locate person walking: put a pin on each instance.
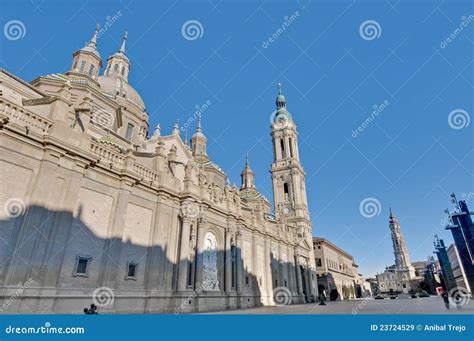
(445, 299)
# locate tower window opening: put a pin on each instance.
(291, 148)
(116, 68)
(82, 67)
(286, 191)
(282, 146)
(123, 70)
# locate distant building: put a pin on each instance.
(402, 276)
(336, 270)
(457, 268)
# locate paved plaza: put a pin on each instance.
(427, 305)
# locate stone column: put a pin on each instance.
(287, 146)
(254, 271)
(268, 272)
(228, 261)
(239, 276)
(184, 254)
(299, 281)
(198, 254)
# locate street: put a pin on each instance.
(426, 305)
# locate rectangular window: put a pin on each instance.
(318, 262)
(247, 280)
(82, 264)
(91, 71)
(83, 66)
(129, 132)
(131, 270)
(291, 147)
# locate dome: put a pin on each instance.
(117, 86)
(119, 54)
(199, 134)
(90, 49)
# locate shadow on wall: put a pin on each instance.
(53, 262)
(290, 284)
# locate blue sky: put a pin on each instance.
(408, 156)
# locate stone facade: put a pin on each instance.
(96, 210)
(336, 270)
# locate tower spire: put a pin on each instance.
(281, 100)
(93, 41)
(199, 126)
(124, 40)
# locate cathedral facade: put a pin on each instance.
(96, 210)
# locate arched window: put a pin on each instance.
(123, 70)
(282, 146)
(116, 68)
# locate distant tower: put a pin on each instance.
(87, 61)
(402, 259)
(199, 142)
(248, 177)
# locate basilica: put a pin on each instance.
(95, 209)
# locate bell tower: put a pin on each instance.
(288, 176)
